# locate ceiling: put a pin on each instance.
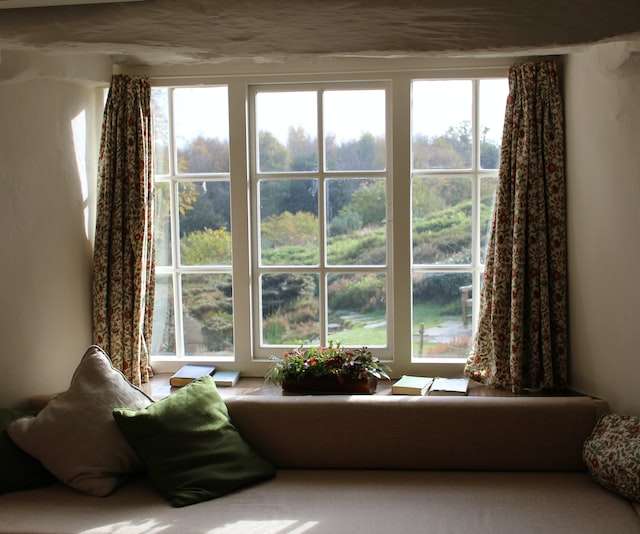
(195, 31)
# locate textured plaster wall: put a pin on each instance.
(46, 167)
(603, 164)
(192, 31)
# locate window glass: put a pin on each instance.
(354, 130)
(356, 221)
(205, 226)
(287, 131)
(493, 99)
(201, 124)
(160, 118)
(442, 314)
(289, 228)
(163, 341)
(207, 307)
(162, 223)
(357, 309)
(290, 309)
(441, 124)
(442, 220)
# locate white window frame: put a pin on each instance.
(476, 174)
(176, 270)
(246, 358)
(261, 350)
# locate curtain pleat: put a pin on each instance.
(522, 331)
(123, 261)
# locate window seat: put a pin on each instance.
(482, 431)
(481, 464)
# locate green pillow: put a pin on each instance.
(18, 470)
(191, 450)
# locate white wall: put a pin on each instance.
(47, 165)
(602, 100)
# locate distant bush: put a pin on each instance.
(365, 293)
(206, 247)
(287, 229)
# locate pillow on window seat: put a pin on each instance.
(612, 454)
(191, 450)
(18, 470)
(75, 436)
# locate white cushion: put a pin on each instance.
(75, 436)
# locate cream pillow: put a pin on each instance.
(75, 436)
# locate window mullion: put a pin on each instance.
(401, 223)
(475, 207)
(321, 219)
(240, 223)
(175, 238)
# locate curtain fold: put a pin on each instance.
(123, 260)
(521, 340)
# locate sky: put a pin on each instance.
(436, 105)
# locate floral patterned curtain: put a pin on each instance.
(522, 332)
(123, 260)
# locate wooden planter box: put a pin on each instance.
(331, 385)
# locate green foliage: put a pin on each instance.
(365, 293)
(452, 150)
(206, 247)
(204, 154)
(364, 154)
(346, 364)
(289, 229)
(207, 300)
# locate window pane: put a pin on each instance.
(290, 309)
(205, 228)
(162, 223)
(441, 124)
(488, 188)
(441, 314)
(441, 220)
(160, 115)
(357, 309)
(207, 313)
(493, 99)
(289, 222)
(201, 124)
(356, 221)
(163, 339)
(354, 126)
(287, 126)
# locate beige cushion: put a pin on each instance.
(400, 432)
(337, 502)
(75, 436)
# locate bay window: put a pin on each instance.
(297, 213)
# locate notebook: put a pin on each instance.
(411, 385)
(188, 373)
(449, 386)
(226, 378)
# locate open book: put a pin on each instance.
(449, 386)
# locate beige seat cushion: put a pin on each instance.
(401, 432)
(75, 436)
(337, 502)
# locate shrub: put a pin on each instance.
(289, 229)
(206, 247)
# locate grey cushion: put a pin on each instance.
(75, 436)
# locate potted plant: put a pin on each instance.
(328, 370)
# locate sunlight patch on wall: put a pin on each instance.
(79, 131)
